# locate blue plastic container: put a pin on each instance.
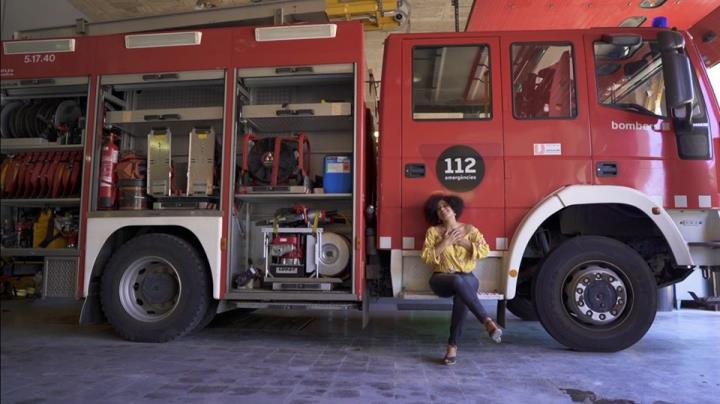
(337, 174)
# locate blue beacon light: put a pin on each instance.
(660, 22)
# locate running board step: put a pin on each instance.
(293, 305)
(430, 296)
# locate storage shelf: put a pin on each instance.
(39, 252)
(7, 146)
(308, 117)
(40, 202)
(112, 214)
(31, 95)
(177, 128)
(318, 109)
(302, 124)
(164, 116)
(284, 196)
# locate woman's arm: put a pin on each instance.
(434, 247)
(479, 247)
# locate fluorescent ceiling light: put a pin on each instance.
(317, 31)
(39, 46)
(162, 40)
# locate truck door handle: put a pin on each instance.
(294, 112)
(302, 69)
(415, 170)
(163, 117)
(606, 169)
(36, 82)
(161, 76)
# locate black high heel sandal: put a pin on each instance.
(450, 360)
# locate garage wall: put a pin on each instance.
(16, 15)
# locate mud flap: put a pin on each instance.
(501, 306)
(365, 308)
(91, 312)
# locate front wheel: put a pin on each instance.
(595, 294)
(155, 288)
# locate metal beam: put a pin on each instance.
(267, 12)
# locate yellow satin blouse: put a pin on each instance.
(455, 258)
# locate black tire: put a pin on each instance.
(616, 282)
(209, 315)
(142, 290)
(522, 307)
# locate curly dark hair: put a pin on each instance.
(455, 202)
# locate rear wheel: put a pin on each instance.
(595, 294)
(155, 288)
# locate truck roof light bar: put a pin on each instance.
(39, 46)
(162, 40)
(289, 33)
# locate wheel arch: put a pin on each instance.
(576, 195)
(124, 234)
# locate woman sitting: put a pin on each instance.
(453, 248)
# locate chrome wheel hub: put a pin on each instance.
(596, 295)
(150, 289)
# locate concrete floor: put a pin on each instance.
(315, 357)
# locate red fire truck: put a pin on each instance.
(237, 168)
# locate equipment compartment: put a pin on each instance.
(290, 238)
(148, 121)
(42, 123)
(304, 246)
(297, 99)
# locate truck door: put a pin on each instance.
(452, 132)
(633, 136)
(547, 139)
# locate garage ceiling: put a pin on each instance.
(702, 17)
(426, 15)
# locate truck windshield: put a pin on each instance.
(630, 77)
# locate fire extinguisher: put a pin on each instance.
(107, 192)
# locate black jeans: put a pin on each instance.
(462, 287)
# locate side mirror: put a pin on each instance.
(694, 141)
(678, 80)
(676, 70)
(670, 41)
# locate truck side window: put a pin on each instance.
(451, 82)
(630, 77)
(543, 80)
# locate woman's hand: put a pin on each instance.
(457, 236)
(454, 235)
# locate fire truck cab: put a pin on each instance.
(586, 158)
